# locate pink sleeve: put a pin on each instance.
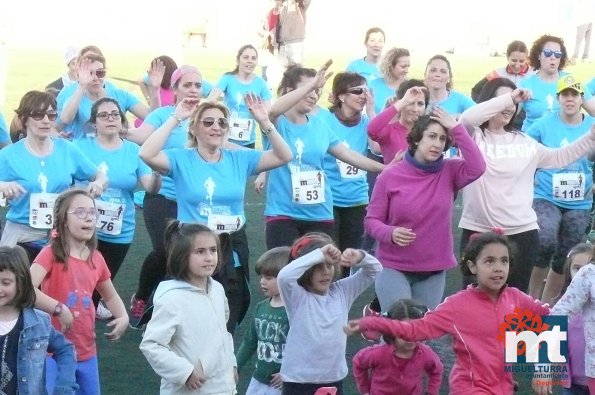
(378, 126)
(376, 218)
(45, 258)
(434, 368)
(362, 362)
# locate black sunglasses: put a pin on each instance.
(210, 121)
(100, 73)
(39, 115)
(356, 91)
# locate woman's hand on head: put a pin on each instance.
(444, 118)
(352, 328)
(331, 254)
(186, 107)
(257, 108)
(520, 95)
(402, 236)
(156, 73)
(414, 94)
(351, 257)
(118, 326)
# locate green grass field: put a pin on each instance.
(123, 369)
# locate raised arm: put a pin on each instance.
(71, 107)
(484, 111)
(554, 158)
(285, 102)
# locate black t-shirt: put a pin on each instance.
(9, 346)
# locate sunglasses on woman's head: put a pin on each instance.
(356, 91)
(548, 53)
(39, 115)
(207, 122)
(104, 116)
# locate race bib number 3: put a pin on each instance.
(41, 210)
(109, 217)
(568, 187)
(350, 171)
(308, 187)
(240, 129)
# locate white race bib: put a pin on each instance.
(350, 171)
(568, 187)
(308, 186)
(109, 217)
(225, 223)
(41, 210)
(240, 129)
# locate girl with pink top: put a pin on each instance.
(398, 366)
(472, 317)
(410, 211)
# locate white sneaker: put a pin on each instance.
(102, 312)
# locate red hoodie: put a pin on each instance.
(472, 319)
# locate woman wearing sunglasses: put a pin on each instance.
(186, 83)
(119, 160)
(234, 86)
(299, 198)
(91, 86)
(548, 56)
(35, 170)
(210, 181)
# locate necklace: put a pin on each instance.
(210, 159)
(5, 373)
(38, 154)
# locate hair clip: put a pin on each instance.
(301, 243)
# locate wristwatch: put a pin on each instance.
(57, 309)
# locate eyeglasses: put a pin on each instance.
(83, 213)
(100, 73)
(548, 53)
(207, 122)
(39, 115)
(104, 116)
(356, 91)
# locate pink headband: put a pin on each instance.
(180, 71)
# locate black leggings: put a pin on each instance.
(526, 244)
(309, 388)
(284, 232)
(114, 255)
(157, 212)
(349, 228)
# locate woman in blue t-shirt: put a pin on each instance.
(235, 85)
(367, 66)
(118, 159)
(210, 181)
(35, 170)
(299, 198)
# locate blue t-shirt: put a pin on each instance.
(212, 193)
(455, 104)
(300, 189)
(123, 168)
(4, 136)
(349, 184)
(178, 138)
(563, 186)
(80, 127)
(590, 87)
(242, 125)
(367, 70)
(381, 93)
(53, 173)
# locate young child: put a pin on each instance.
(579, 303)
(317, 307)
(186, 342)
(26, 334)
(69, 269)
(472, 317)
(266, 336)
(398, 366)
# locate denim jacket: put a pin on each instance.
(37, 338)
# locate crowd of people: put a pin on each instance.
(519, 153)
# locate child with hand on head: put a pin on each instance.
(268, 331)
(26, 334)
(317, 307)
(69, 269)
(186, 341)
(398, 366)
(472, 317)
(578, 302)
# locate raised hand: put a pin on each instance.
(156, 73)
(185, 108)
(521, 95)
(444, 118)
(85, 73)
(322, 75)
(256, 107)
(331, 254)
(351, 257)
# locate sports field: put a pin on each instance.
(123, 369)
